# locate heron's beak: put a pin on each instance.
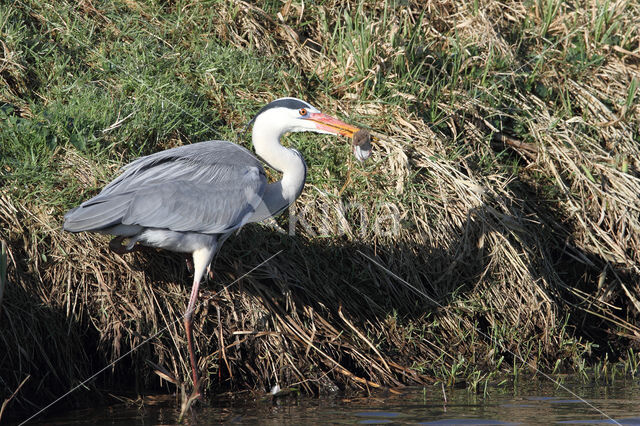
(332, 125)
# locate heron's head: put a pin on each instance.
(294, 115)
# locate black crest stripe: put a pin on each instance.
(289, 103)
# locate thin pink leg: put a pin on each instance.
(201, 259)
(187, 325)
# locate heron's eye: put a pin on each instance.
(302, 111)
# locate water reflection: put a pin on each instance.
(523, 402)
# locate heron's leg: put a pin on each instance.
(201, 259)
(188, 315)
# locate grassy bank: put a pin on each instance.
(495, 228)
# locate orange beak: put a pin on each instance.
(332, 125)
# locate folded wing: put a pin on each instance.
(208, 187)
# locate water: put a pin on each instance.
(531, 401)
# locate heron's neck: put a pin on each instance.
(266, 141)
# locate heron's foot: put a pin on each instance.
(196, 395)
(116, 246)
(187, 403)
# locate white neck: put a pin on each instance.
(278, 195)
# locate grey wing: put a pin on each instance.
(210, 187)
(193, 207)
(206, 162)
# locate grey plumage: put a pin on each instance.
(208, 187)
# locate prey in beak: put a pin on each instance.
(361, 138)
(361, 141)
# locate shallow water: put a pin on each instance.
(527, 401)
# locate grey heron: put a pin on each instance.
(189, 199)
